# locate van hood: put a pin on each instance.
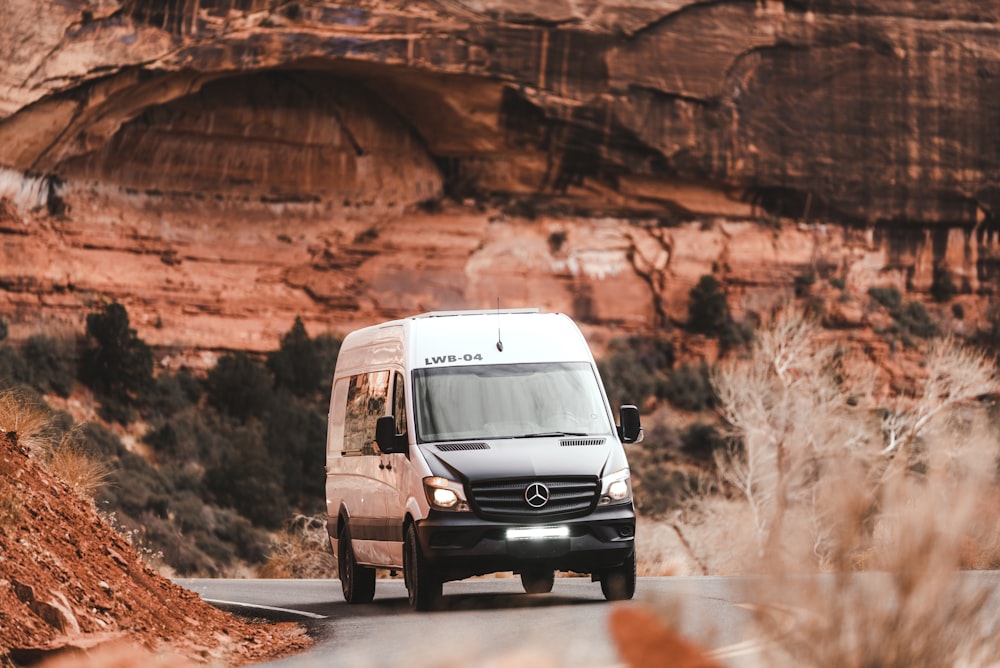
(524, 458)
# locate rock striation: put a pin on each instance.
(223, 165)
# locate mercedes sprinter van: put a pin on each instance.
(473, 442)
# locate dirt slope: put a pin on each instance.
(68, 581)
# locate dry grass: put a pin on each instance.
(302, 550)
(835, 476)
(60, 452)
(84, 474)
(27, 419)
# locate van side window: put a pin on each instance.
(335, 444)
(399, 403)
(367, 397)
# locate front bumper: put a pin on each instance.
(460, 545)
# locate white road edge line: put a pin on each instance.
(303, 613)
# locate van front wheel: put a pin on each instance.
(423, 587)
(358, 582)
(618, 584)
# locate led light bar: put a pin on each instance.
(533, 533)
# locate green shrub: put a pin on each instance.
(239, 386)
(52, 363)
(804, 283)
(172, 393)
(688, 387)
(296, 365)
(118, 365)
(13, 369)
(100, 442)
(190, 512)
(889, 297)
(249, 542)
(327, 349)
(708, 311)
(914, 319)
(295, 436)
(702, 441)
(942, 285)
(634, 368)
(248, 480)
(911, 317)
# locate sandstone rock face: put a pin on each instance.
(221, 166)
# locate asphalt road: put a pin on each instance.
(483, 620)
(486, 620)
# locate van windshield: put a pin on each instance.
(508, 401)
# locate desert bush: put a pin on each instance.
(327, 349)
(914, 320)
(635, 368)
(239, 386)
(13, 370)
(702, 441)
(888, 296)
(836, 479)
(661, 482)
(295, 437)
(135, 487)
(942, 285)
(250, 543)
(708, 314)
(99, 442)
(301, 550)
(911, 317)
(296, 364)
(52, 363)
(172, 393)
(708, 311)
(117, 364)
(3, 329)
(689, 388)
(248, 480)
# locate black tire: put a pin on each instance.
(618, 584)
(358, 582)
(538, 581)
(423, 586)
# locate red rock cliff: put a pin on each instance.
(222, 165)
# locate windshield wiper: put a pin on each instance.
(552, 433)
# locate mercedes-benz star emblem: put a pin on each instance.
(537, 495)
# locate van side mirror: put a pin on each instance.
(389, 442)
(630, 429)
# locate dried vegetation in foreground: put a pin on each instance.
(888, 494)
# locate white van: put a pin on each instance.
(472, 442)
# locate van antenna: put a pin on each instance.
(499, 341)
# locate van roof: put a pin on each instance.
(444, 314)
(458, 338)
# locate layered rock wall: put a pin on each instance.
(223, 165)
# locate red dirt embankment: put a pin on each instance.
(70, 583)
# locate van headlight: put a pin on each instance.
(444, 494)
(616, 487)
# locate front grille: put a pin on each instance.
(504, 500)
